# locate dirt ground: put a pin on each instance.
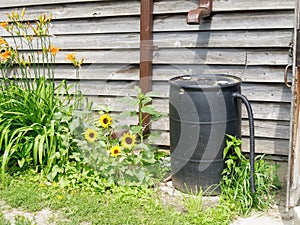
(276, 215)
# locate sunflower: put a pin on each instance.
(115, 150)
(105, 121)
(128, 140)
(90, 135)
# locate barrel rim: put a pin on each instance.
(237, 83)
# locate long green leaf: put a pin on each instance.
(41, 148)
(36, 149)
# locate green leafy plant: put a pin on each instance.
(47, 129)
(34, 111)
(119, 152)
(235, 183)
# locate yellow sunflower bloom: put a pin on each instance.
(91, 135)
(115, 151)
(105, 121)
(128, 140)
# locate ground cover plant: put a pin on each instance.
(91, 167)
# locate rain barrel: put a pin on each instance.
(202, 111)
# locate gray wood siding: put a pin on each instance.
(246, 38)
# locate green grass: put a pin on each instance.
(119, 205)
(19, 220)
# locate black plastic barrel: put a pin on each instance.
(202, 111)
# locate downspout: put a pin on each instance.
(146, 48)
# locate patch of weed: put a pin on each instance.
(236, 186)
(117, 205)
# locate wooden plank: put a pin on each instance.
(86, 10)
(267, 146)
(88, 41)
(169, 6)
(265, 74)
(256, 92)
(265, 20)
(199, 56)
(115, 56)
(233, 39)
(107, 88)
(263, 128)
(264, 92)
(270, 129)
(268, 57)
(226, 39)
(109, 72)
(221, 56)
(253, 5)
(92, 26)
(26, 3)
(166, 72)
(230, 21)
(269, 111)
(263, 111)
(118, 56)
(253, 74)
(98, 25)
(95, 42)
(262, 145)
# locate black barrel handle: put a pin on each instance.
(252, 140)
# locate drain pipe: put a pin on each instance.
(252, 143)
(204, 10)
(146, 45)
(146, 52)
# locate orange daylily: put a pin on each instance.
(2, 41)
(53, 50)
(6, 54)
(4, 24)
(71, 57)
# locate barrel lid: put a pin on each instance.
(205, 81)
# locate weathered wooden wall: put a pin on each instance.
(247, 38)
